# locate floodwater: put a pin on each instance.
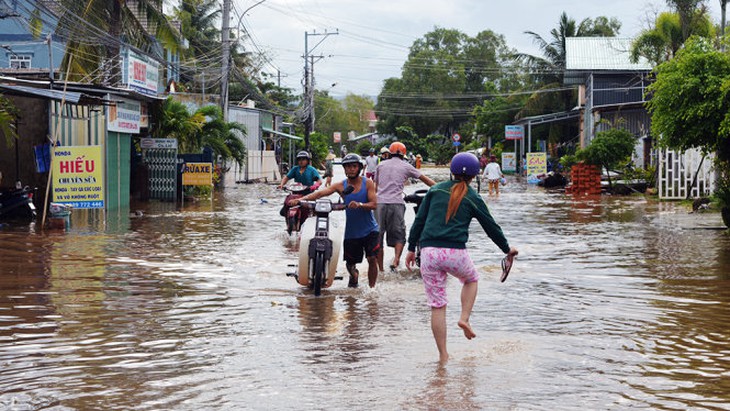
(611, 305)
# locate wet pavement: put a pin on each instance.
(613, 303)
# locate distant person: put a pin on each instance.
(384, 154)
(304, 174)
(441, 230)
(493, 173)
(419, 160)
(328, 162)
(484, 160)
(390, 178)
(343, 151)
(371, 163)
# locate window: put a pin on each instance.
(19, 61)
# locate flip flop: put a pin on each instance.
(506, 267)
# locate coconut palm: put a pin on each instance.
(661, 43)
(95, 31)
(224, 138)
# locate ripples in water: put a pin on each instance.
(610, 306)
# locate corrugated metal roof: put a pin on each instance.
(282, 134)
(70, 96)
(601, 53)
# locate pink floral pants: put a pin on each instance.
(436, 263)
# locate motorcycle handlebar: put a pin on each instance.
(335, 206)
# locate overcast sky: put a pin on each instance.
(374, 36)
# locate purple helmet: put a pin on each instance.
(465, 164)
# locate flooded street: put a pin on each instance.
(611, 305)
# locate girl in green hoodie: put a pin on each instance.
(441, 229)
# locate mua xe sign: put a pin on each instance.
(197, 174)
(78, 177)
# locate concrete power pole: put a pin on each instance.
(309, 81)
(226, 44)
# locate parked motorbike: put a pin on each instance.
(17, 203)
(320, 247)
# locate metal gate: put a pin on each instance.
(677, 171)
(160, 156)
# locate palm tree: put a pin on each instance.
(662, 42)
(224, 138)
(203, 128)
(548, 69)
(96, 30)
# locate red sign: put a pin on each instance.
(456, 137)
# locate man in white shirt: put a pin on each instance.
(371, 163)
(493, 173)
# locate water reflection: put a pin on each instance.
(611, 304)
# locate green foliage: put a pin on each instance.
(609, 148)
(318, 147)
(690, 104)
(442, 65)
(549, 68)
(85, 19)
(722, 185)
(661, 43)
(8, 117)
(343, 115)
(494, 114)
(648, 174)
(204, 128)
(568, 161)
(440, 153)
(363, 147)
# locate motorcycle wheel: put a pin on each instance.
(318, 273)
(291, 224)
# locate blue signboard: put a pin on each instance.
(514, 132)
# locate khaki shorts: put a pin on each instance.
(391, 221)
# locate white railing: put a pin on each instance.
(677, 171)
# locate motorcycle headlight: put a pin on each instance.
(323, 207)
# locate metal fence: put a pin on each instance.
(678, 170)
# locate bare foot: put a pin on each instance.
(468, 332)
(443, 359)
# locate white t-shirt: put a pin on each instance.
(492, 171)
(372, 164)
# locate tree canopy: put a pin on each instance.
(690, 99)
(446, 74)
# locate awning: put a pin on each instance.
(279, 133)
(549, 118)
(71, 97)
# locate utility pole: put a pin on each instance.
(309, 81)
(226, 44)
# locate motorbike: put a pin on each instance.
(297, 215)
(319, 250)
(416, 198)
(17, 203)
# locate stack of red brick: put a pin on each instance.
(585, 180)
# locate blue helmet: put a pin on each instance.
(465, 164)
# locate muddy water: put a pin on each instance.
(611, 305)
